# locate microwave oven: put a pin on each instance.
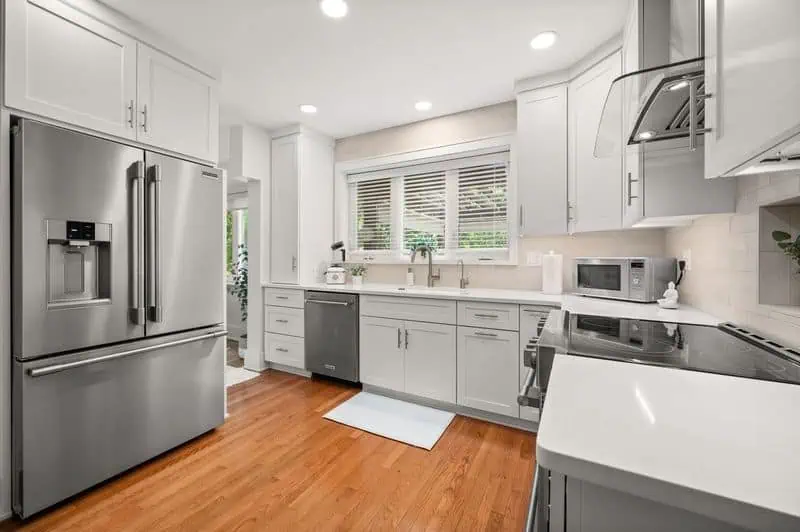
(642, 279)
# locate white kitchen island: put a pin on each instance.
(671, 449)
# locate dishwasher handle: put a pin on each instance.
(323, 302)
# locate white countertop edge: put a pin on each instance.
(571, 302)
(711, 505)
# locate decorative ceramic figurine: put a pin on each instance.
(670, 299)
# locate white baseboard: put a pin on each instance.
(289, 369)
(491, 417)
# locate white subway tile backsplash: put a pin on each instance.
(731, 252)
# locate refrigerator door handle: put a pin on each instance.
(154, 242)
(137, 313)
(56, 368)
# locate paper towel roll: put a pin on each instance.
(552, 273)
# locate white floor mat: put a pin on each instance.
(238, 375)
(415, 425)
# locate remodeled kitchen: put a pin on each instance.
(370, 265)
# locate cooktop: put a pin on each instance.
(726, 350)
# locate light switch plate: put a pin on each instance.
(533, 258)
(687, 256)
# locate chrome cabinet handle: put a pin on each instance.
(137, 219)
(398, 338)
(406, 338)
(282, 297)
(282, 349)
(490, 316)
(155, 303)
(294, 263)
(485, 334)
(521, 216)
(55, 368)
(144, 118)
(282, 321)
(130, 114)
(631, 181)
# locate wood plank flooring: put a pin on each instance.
(276, 464)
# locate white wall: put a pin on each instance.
(473, 125)
(725, 260)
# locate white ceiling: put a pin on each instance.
(365, 71)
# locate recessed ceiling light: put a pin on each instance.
(544, 40)
(308, 109)
(644, 135)
(333, 8)
(423, 106)
(679, 85)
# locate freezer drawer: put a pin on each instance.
(80, 419)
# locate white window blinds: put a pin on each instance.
(371, 220)
(455, 206)
(482, 206)
(424, 210)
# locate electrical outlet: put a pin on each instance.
(534, 258)
(687, 256)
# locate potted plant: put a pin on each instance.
(239, 289)
(790, 247)
(358, 272)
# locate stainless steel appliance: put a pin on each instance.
(331, 341)
(117, 309)
(726, 350)
(641, 279)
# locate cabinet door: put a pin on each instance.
(542, 161)
(632, 157)
(178, 108)
(64, 65)
(430, 360)
(283, 221)
(753, 74)
(595, 183)
(381, 353)
(488, 370)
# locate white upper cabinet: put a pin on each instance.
(595, 183)
(284, 236)
(542, 161)
(65, 65)
(753, 76)
(178, 108)
(301, 198)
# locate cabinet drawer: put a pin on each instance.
(409, 308)
(283, 320)
(286, 297)
(286, 350)
(489, 315)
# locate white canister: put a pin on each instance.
(552, 273)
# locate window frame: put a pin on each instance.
(391, 165)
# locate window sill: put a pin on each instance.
(404, 261)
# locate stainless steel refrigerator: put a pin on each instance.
(117, 306)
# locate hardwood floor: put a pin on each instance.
(276, 464)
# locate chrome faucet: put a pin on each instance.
(426, 251)
(462, 281)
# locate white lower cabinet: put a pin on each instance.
(430, 360)
(488, 370)
(382, 355)
(411, 357)
(285, 350)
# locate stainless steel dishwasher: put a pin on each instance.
(331, 334)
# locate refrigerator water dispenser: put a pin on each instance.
(79, 263)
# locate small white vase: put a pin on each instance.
(358, 280)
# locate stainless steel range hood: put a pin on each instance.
(660, 105)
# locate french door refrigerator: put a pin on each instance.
(117, 298)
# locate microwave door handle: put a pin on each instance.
(137, 310)
(154, 242)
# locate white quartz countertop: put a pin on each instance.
(724, 447)
(570, 302)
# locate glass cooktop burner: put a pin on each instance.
(693, 347)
